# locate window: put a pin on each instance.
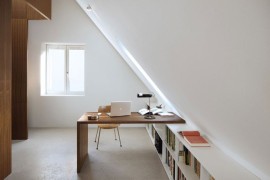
(64, 70)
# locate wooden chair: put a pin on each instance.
(106, 109)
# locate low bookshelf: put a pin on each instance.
(183, 162)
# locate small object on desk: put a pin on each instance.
(156, 110)
(153, 111)
(194, 138)
(143, 111)
(165, 114)
(93, 117)
(159, 106)
(149, 115)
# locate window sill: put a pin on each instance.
(62, 95)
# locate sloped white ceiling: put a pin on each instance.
(211, 59)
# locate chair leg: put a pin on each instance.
(98, 137)
(119, 137)
(114, 134)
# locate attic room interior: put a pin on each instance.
(204, 62)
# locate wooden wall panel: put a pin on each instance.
(32, 14)
(5, 88)
(19, 9)
(43, 7)
(19, 78)
(19, 50)
(21, 12)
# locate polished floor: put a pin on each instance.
(50, 154)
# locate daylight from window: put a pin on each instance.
(64, 70)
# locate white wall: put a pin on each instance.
(108, 77)
(212, 61)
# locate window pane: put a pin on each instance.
(76, 70)
(56, 70)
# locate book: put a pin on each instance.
(170, 138)
(194, 138)
(189, 133)
(187, 156)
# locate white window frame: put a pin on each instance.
(66, 67)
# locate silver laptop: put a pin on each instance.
(120, 108)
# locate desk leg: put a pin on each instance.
(82, 144)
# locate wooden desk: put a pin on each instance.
(134, 118)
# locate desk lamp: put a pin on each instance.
(148, 115)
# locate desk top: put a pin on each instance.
(134, 118)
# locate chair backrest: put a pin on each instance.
(104, 109)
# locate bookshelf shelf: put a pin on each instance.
(160, 128)
(149, 130)
(211, 163)
(187, 171)
(161, 156)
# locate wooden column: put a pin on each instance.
(19, 70)
(19, 79)
(13, 21)
(22, 11)
(5, 88)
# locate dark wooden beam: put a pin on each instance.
(5, 88)
(19, 70)
(19, 79)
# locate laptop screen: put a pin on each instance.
(120, 108)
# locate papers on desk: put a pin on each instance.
(155, 111)
(165, 114)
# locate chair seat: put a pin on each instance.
(108, 126)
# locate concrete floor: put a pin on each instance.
(50, 154)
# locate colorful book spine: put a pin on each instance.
(153, 131)
(197, 167)
(181, 176)
(170, 138)
(171, 163)
(187, 156)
